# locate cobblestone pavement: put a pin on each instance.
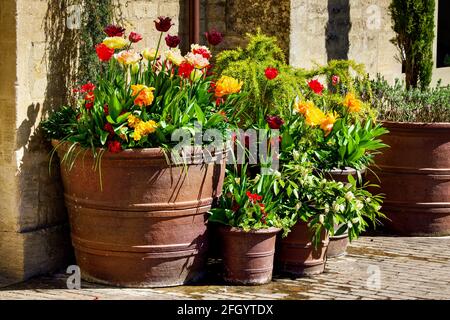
(408, 268)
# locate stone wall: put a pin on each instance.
(38, 51)
(347, 29)
(235, 18)
(341, 29)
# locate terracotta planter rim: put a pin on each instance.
(129, 153)
(416, 125)
(253, 231)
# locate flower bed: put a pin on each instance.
(154, 124)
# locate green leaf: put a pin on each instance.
(199, 113)
(115, 107)
(103, 137)
(123, 117)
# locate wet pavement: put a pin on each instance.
(375, 267)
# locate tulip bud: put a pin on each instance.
(321, 219)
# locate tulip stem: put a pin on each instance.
(157, 49)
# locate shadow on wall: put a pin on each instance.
(42, 212)
(337, 30)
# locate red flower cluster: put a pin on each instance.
(88, 87)
(172, 41)
(109, 128)
(275, 122)
(114, 31)
(315, 86)
(254, 197)
(185, 69)
(104, 53)
(88, 90)
(163, 24)
(271, 73)
(335, 80)
(106, 109)
(114, 146)
(219, 101)
(214, 37)
(134, 37)
(203, 52)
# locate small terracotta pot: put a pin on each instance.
(415, 178)
(248, 256)
(338, 244)
(297, 255)
(147, 226)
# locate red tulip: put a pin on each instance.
(316, 86)
(185, 69)
(172, 41)
(114, 31)
(335, 80)
(271, 73)
(109, 128)
(104, 53)
(163, 24)
(275, 122)
(214, 37)
(134, 37)
(114, 146)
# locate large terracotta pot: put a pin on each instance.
(248, 256)
(147, 226)
(415, 177)
(339, 243)
(297, 255)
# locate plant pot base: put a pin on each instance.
(297, 256)
(150, 284)
(337, 246)
(248, 256)
(301, 270)
(243, 282)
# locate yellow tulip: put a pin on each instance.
(227, 85)
(116, 42)
(144, 95)
(352, 103)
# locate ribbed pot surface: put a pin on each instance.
(248, 256)
(415, 177)
(298, 256)
(147, 226)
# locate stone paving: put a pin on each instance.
(375, 267)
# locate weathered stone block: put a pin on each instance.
(23, 255)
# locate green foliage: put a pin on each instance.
(395, 103)
(96, 15)
(324, 203)
(236, 206)
(263, 96)
(350, 145)
(413, 22)
(136, 102)
(348, 72)
(339, 136)
(60, 124)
